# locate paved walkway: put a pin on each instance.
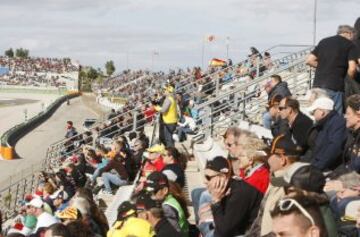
(32, 147)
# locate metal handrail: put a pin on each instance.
(288, 58)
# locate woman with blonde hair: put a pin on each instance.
(251, 165)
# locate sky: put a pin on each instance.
(130, 31)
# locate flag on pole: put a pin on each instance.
(215, 62)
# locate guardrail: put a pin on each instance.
(11, 136)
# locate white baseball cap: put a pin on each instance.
(322, 103)
(36, 202)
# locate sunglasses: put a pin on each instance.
(282, 108)
(209, 177)
(288, 203)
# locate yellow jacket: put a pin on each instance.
(168, 110)
(132, 226)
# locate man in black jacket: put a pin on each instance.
(277, 87)
(234, 203)
(299, 123)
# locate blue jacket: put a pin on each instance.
(329, 141)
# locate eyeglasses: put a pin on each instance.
(282, 108)
(209, 177)
(288, 203)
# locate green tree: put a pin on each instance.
(22, 53)
(9, 53)
(110, 67)
(92, 73)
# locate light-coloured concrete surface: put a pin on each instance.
(13, 115)
(32, 148)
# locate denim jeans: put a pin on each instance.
(338, 206)
(267, 120)
(199, 197)
(182, 131)
(338, 98)
(114, 179)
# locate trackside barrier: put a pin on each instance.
(10, 137)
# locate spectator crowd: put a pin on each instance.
(305, 182)
(35, 71)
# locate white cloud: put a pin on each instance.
(93, 31)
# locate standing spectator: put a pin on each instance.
(169, 117)
(352, 86)
(299, 124)
(334, 58)
(327, 137)
(70, 130)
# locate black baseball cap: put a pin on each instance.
(156, 181)
(144, 202)
(126, 209)
(218, 164)
(301, 175)
(283, 145)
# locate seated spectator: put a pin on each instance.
(113, 173)
(249, 164)
(175, 209)
(283, 154)
(174, 166)
(154, 160)
(128, 224)
(327, 137)
(299, 124)
(186, 126)
(278, 126)
(277, 87)
(298, 216)
(225, 194)
(59, 230)
(151, 211)
(44, 219)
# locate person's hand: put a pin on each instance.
(333, 185)
(346, 193)
(217, 188)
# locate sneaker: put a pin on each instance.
(105, 192)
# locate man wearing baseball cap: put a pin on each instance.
(128, 224)
(44, 219)
(327, 137)
(283, 154)
(151, 211)
(234, 203)
(169, 117)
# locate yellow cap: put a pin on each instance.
(157, 149)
